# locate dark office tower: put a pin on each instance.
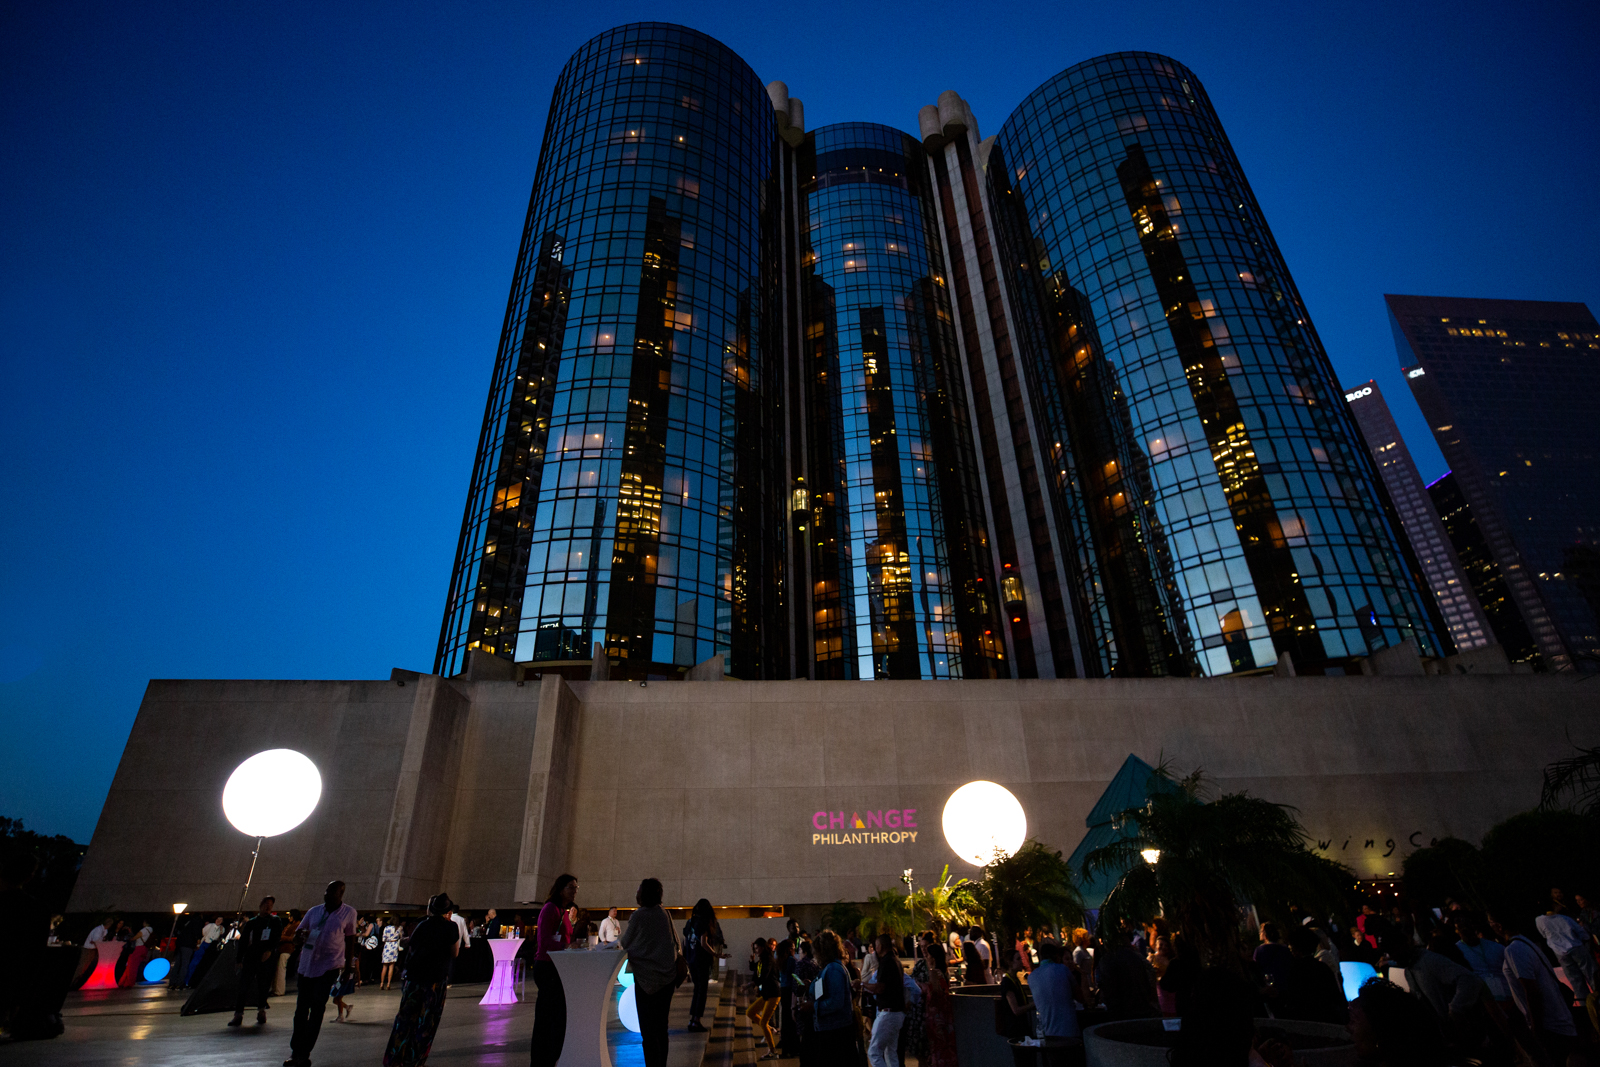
(1510, 388)
(624, 492)
(1265, 501)
(1481, 571)
(903, 582)
(1430, 542)
(1034, 551)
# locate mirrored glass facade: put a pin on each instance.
(902, 578)
(862, 403)
(1510, 389)
(1263, 503)
(626, 464)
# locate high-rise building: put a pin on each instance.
(1430, 542)
(859, 403)
(1220, 473)
(1510, 389)
(1481, 572)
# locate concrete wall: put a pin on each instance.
(488, 789)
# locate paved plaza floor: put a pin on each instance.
(129, 1027)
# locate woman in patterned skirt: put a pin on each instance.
(434, 943)
(938, 1018)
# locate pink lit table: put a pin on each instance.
(105, 969)
(587, 978)
(501, 987)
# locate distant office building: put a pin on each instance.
(864, 403)
(1430, 543)
(1482, 572)
(1511, 389)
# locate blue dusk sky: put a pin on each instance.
(254, 261)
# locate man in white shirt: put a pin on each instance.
(97, 935)
(465, 938)
(212, 931)
(610, 927)
(328, 936)
(1570, 942)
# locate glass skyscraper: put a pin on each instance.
(1430, 542)
(863, 403)
(1510, 389)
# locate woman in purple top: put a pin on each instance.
(552, 934)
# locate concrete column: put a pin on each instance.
(424, 799)
(552, 774)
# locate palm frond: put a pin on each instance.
(1578, 775)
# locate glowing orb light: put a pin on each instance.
(625, 979)
(628, 1010)
(272, 792)
(983, 821)
(157, 969)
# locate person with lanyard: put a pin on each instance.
(258, 942)
(327, 943)
(764, 1003)
(610, 927)
(552, 933)
(1536, 991)
(832, 1039)
(435, 943)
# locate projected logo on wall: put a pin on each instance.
(891, 826)
(982, 820)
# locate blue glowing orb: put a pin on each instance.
(628, 1010)
(625, 979)
(157, 969)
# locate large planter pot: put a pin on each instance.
(1144, 1043)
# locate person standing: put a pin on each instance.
(1538, 994)
(1051, 986)
(391, 952)
(553, 933)
(653, 954)
(435, 944)
(258, 941)
(702, 937)
(938, 1012)
(285, 951)
(764, 1001)
(463, 943)
(888, 988)
(610, 927)
(327, 943)
(1570, 942)
(833, 1034)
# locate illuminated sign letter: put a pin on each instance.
(891, 818)
(820, 820)
(908, 821)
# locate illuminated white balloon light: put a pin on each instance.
(983, 821)
(272, 792)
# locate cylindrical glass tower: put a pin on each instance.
(902, 577)
(1247, 488)
(624, 490)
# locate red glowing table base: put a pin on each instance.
(105, 969)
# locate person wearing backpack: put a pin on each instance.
(703, 945)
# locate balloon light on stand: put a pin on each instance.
(983, 822)
(269, 794)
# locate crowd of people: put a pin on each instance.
(1435, 987)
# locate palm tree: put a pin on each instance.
(1031, 887)
(887, 914)
(1578, 775)
(1198, 862)
(946, 902)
